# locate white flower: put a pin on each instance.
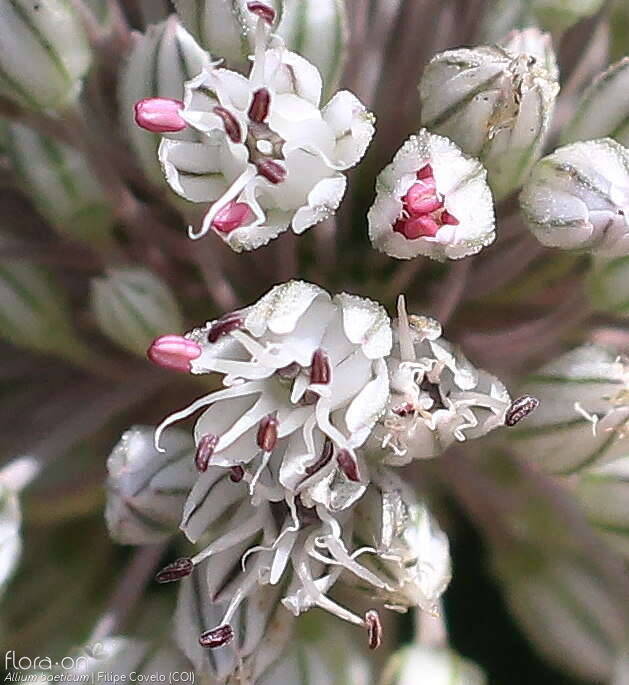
(432, 200)
(305, 381)
(267, 156)
(578, 198)
(583, 415)
(437, 396)
(132, 306)
(44, 53)
(604, 108)
(146, 489)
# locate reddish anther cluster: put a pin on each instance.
(424, 212)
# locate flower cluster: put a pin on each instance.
(319, 393)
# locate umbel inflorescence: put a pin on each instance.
(291, 458)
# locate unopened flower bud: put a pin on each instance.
(118, 657)
(324, 652)
(60, 184)
(536, 44)
(146, 489)
(603, 493)
(582, 415)
(604, 108)
(577, 198)
(318, 30)
(161, 62)
(133, 306)
(607, 285)
(255, 633)
(434, 665)
(44, 53)
(494, 104)
(34, 311)
(432, 200)
(566, 610)
(227, 29)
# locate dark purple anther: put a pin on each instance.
(181, 568)
(259, 107)
(217, 637)
(267, 433)
(232, 127)
(348, 465)
(272, 171)
(374, 628)
(323, 460)
(205, 450)
(320, 370)
(226, 324)
(520, 409)
(237, 473)
(263, 11)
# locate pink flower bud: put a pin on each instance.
(421, 199)
(173, 352)
(159, 115)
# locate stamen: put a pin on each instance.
(174, 352)
(159, 115)
(232, 216)
(320, 369)
(348, 465)
(324, 459)
(267, 433)
(181, 568)
(205, 450)
(374, 628)
(271, 170)
(217, 637)
(260, 104)
(263, 11)
(520, 408)
(226, 324)
(232, 127)
(237, 473)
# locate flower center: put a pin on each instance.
(264, 145)
(424, 212)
